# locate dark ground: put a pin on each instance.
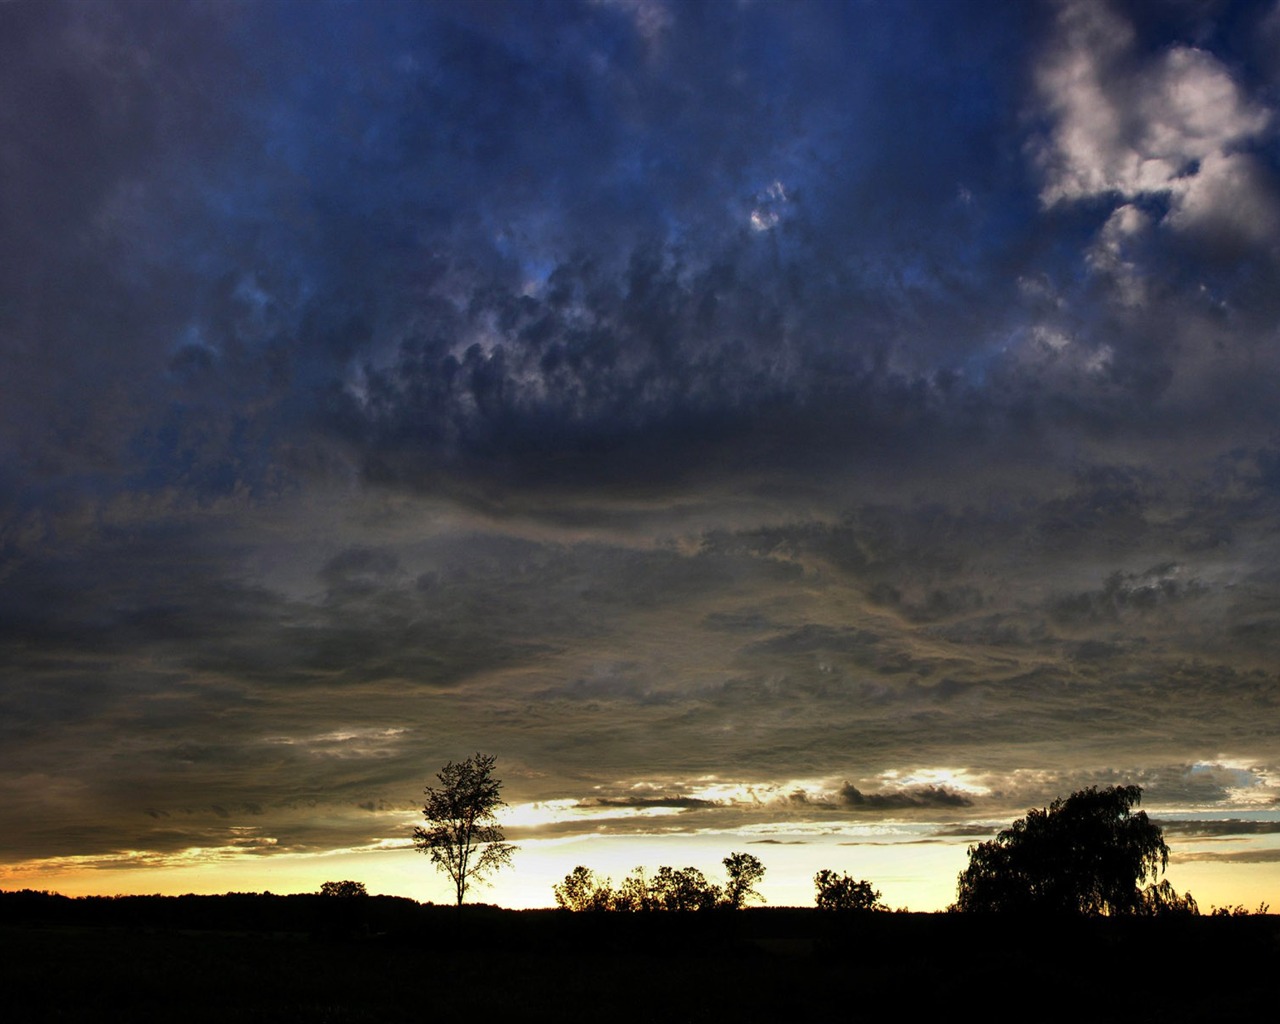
(303, 958)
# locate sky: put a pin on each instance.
(822, 430)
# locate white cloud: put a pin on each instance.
(1230, 195)
(1080, 158)
(1131, 126)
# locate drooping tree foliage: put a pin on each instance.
(1160, 899)
(1087, 854)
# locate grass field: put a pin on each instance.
(764, 964)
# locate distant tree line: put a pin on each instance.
(687, 889)
(672, 889)
(302, 913)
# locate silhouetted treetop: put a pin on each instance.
(582, 890)
(673, 889)
(345, 888)
(844, 893)
(745, 872)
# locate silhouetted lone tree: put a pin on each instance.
(843, 893)
(745, 872)
(1086, 854)
(462, 836)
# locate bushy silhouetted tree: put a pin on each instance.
(346, 905)
(745, 872)
(1088, 854)
(582, 890)
(635, 894)
(684, 889)
(462, 836)
(842, 892)
(345, 888)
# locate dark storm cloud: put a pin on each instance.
(850, 798)
(965, 831)
(923, 796)
(1234, 856)
(682, 803)
(458, 242)
(478, 242)
(1219, 829)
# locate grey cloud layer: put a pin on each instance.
(760, 656)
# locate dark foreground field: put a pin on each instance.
(300, 958)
